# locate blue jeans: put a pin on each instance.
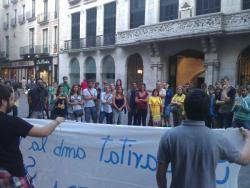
(117, 117)
(90, 112)
(106, 115)
(241, 123)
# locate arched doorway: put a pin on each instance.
(134, 69)
(244, 67)
(108, 69)
(74, 74)
(90, 69)
(187, 67)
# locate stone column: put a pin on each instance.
(120, 59)
(211, 61)
(98, 67)
(212, 72)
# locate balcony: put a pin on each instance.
(13, 22)
(210, 24)
(14, 1)
(88, 1)
(90, 42)
(30, 16)
(73, 2)
(34, 50)
(21, 19)
(5, 26)
(43, 18)
(6, 3)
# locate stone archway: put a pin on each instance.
(244, 67)
(108, 69)
(74, 74)
(134, 69)
(187, 67)
(90, 69)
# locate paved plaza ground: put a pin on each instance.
(244, 177)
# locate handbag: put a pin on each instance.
(78, 113)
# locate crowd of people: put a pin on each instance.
(164, 107)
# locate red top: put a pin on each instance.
(84, 85)
(142, 104)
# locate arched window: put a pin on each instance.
(137, 13)
(246, 4)
(74, 74)
(90, 69)
(168, 10)
(207, 6)
(108, 69)
(244, 67)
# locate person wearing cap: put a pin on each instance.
(194, 150)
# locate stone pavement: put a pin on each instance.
(244, 177)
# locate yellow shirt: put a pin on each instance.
(179, 98)
(155, 106)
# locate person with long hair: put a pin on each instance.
(118, 83)
(141, 105)
(106, 105)
(119, 106)
(76, 102)
(155, 107)
(61, 102)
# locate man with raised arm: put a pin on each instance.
(12, 172)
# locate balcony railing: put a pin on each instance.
(5, 26)
(6, 3)
(21, 19)
(215, 23)
(90, 42)
(43, 18)
(30, 15)
(34, 50)
(14, 1)
(73, 2)
(13, 22)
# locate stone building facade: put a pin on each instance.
(29, 39)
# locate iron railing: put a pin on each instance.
(36, 49)
(90, 42)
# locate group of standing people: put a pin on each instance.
(229, 106)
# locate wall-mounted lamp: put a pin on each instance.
(139, 71)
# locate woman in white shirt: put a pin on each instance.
(76, 102)
(106, 105)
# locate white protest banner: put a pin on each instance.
(79, 155)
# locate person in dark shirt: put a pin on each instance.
(12, 170)
(132, 118)
(38, 98)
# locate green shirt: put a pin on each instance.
(66, 88)
(242, 111)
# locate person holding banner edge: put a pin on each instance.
(12, 172)
(194, 150)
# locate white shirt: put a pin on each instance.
(106, 98)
